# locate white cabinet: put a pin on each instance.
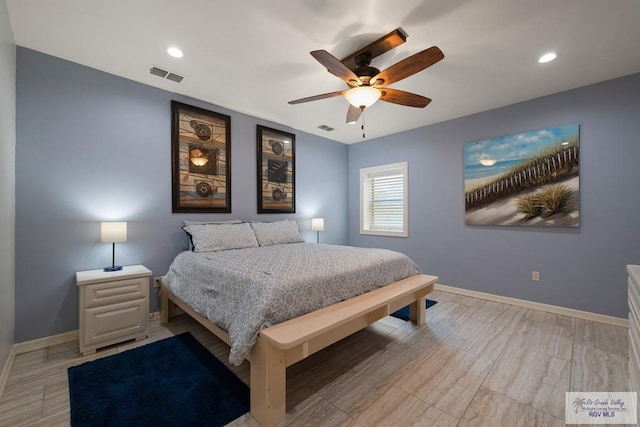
(634, 329)
(113, 306)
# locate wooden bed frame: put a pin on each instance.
(286, 343)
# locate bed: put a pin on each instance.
(275, 300)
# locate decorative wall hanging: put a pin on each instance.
(527, 179)
(276, 171)
(200, 159)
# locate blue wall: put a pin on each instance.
(580, 268)
(92, 147)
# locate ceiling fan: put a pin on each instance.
(367, 84)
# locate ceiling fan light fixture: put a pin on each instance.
(362, 96)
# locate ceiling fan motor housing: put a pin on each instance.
(364, 71)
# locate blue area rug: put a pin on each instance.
(173, 382)
(403, 313)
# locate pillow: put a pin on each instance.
(187, 222)
(220, 237)
(231, 221)
(277, 232)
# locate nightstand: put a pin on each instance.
(113, 306)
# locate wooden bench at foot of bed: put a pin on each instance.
(289, 342)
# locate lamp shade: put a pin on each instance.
(199, 161)
(113, 232)
(362, 96)
(317, 224)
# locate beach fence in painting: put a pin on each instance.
(548, 167)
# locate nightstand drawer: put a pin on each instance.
(114, 321)
(100, 294)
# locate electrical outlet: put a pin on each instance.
(156, 282)
(535, 276)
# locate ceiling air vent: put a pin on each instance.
(325, 127)
(174, 77)
(156, 71)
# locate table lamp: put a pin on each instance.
(317, 225)
(113, 232)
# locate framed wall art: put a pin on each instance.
(276, 171)
(526, 179)
(200, 159)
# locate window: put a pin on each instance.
(383, 200)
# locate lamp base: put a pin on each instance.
(113, 268)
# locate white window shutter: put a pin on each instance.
(384, 200)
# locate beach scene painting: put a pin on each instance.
(527, 179)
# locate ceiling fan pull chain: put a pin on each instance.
(362, 126)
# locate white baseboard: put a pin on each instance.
(586, 315)
(4, 375)
(40, 343)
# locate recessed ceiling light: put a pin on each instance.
(547, 57)
(175, 52)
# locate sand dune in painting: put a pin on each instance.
(505, 211)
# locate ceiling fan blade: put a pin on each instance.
(385, 43)
(353, 114)
(409, 66)
(404, 98)
(318, 97)
(335, 67)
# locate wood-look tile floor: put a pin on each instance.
(476, 362)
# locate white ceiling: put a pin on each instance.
(252, 56)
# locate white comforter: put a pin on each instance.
(245, 290)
